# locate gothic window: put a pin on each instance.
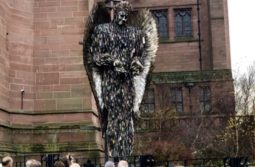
(183, 22)
(161, 17)
(148, 103)
(205, 99)
(176, 98)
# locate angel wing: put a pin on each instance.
(98, 15)
(144, 20)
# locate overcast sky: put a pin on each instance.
(242, 33)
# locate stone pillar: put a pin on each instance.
(219, 34)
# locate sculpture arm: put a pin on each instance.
(102, 59)
(99, 48)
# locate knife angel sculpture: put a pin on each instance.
(118, 56)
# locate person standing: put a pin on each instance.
(109, 164)
(123, 163)
(33, 163)
(88, 164)
(7, 162)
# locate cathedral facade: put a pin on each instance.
(46, 104)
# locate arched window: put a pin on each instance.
(177, 98)
(148, 103)
(183, 22)
(205, 99)
(161, 17)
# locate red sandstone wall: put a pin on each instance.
(16, 36)
(40, 53)
(222, 96)
(21, 46)
(4, 55)
(16, 62)
(227, 38)
(184, 56)
(172, 56)
(220, 34)
(61, 82)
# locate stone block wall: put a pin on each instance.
(214, 36)
(17, 45)
(4, 55)
(219, 83)
(220, 34)
(60, 78)
(40, 53)
(222, 95)
(20, 47)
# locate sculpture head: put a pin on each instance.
(121, 12)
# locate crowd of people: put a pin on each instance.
(67, 161)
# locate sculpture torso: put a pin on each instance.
(119, 42)
(123, 44)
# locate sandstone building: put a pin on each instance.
(46, 104)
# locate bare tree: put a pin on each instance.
(161, 136)
(245, 91)
(237, 138)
